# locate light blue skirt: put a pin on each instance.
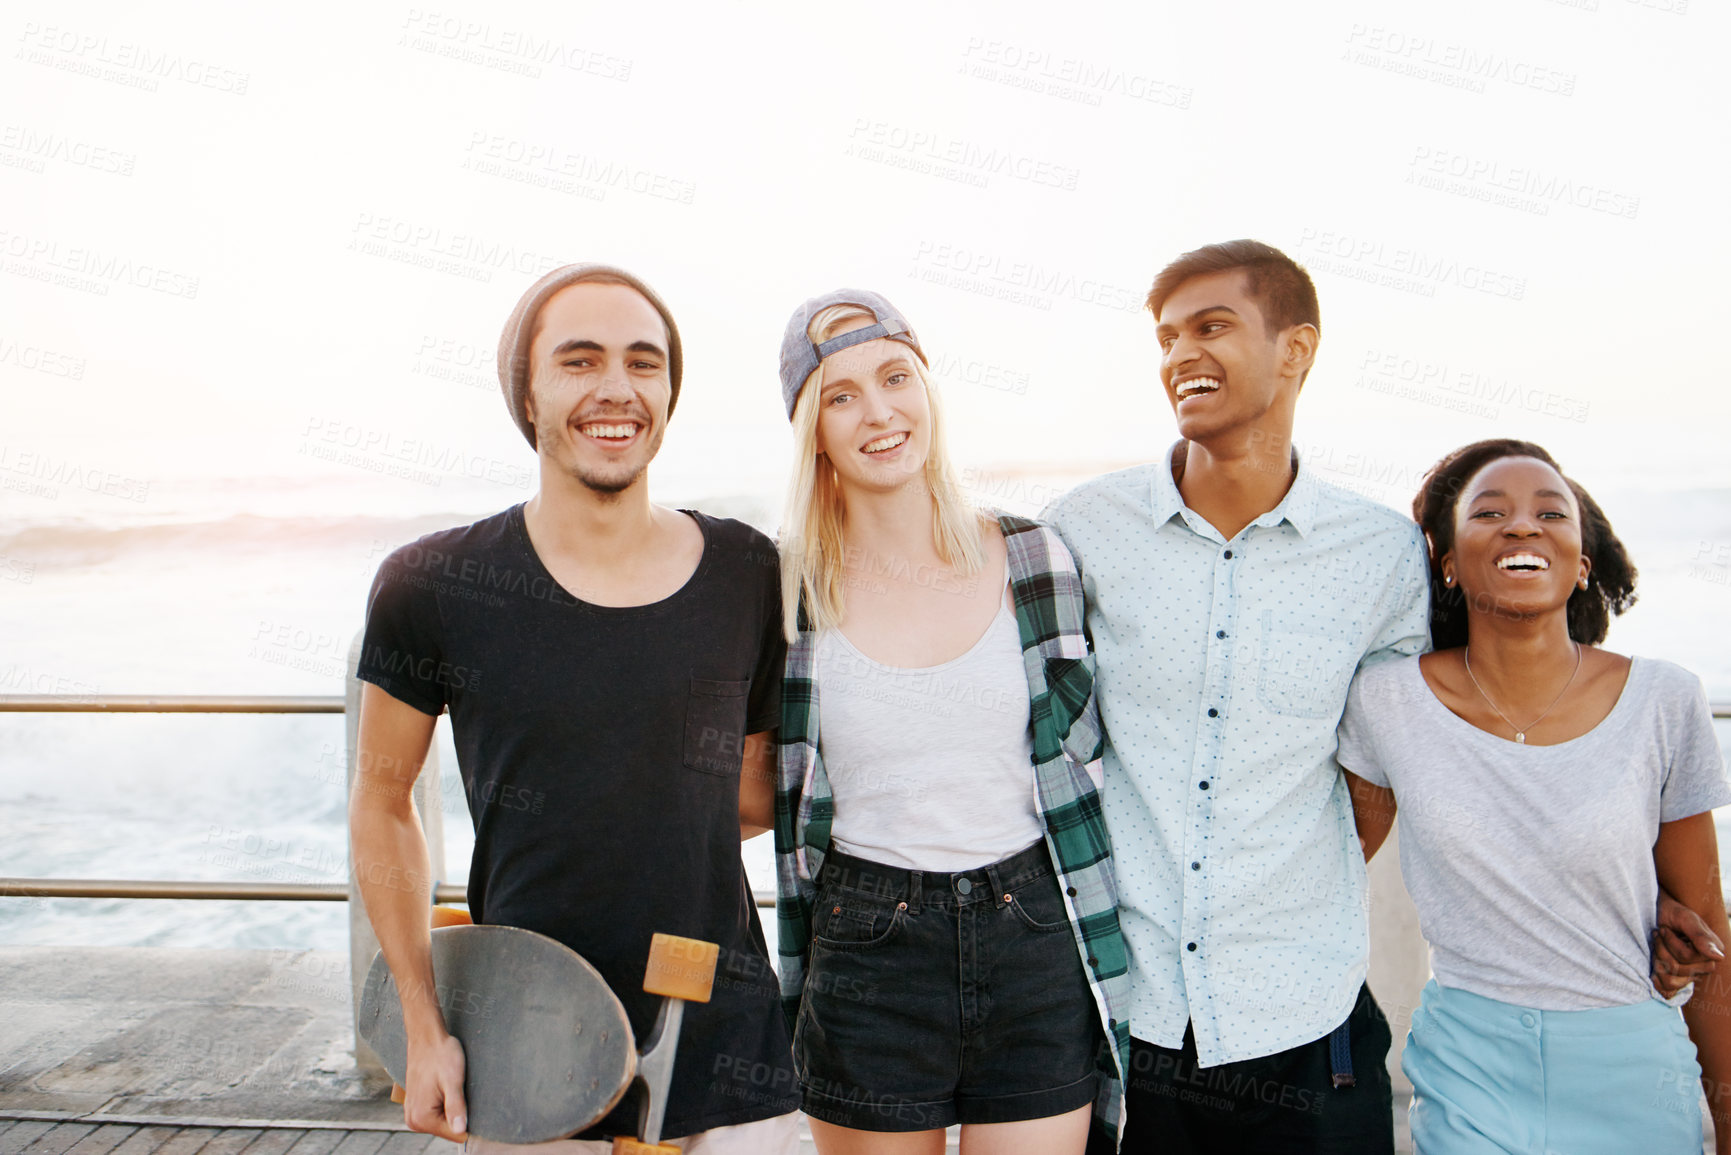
(1490, 1077)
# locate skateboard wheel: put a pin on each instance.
(622, 1146)
(681, 968)
(450, 916)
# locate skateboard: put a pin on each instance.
(547, 1046)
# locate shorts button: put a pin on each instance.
(1529, 1021)
(963, 886)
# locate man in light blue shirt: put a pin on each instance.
(1232, 594)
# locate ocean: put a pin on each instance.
(259, 586)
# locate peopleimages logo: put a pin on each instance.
(41, 473)
(1521, 187)
(439, 250)
(1402, 267)
(1017, 282)
(383, 451)
(1066, 77)
(34, 149)
(930, 151)
(123, 61)
(505, 49)
(547, 164)
(89, 269)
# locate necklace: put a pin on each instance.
(1520, 731)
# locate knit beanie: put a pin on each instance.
(519, 333)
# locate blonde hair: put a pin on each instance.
(814, 517)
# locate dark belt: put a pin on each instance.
(1340, 1054)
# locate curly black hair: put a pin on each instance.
(1610, 582)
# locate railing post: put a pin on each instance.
(429, 805)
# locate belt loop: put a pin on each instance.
(914, 877)
(1340, 1055)
(996, 878)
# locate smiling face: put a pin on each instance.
(874, 420)
(600, 384)
(1222, 370)
(1517, 539)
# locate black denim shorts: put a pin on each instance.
(933, 999)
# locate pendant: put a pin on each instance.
(1520, 737)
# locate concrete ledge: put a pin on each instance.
(183, 1037)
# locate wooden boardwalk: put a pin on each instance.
(45, 1137)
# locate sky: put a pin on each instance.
(254, 261)
(271, 252)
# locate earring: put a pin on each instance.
(1448, 579)
(1582, 583)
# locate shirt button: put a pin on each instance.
(1189, 946)
(1071, 891)
(1220, 633)
(1195, 866)
(1111, 1024)
(1213, 713)
(1203, 784)
(1228, 555)
(1094, 962)
(963, 886)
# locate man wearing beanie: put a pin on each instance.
(612, 670)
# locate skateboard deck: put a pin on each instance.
(547, 1046)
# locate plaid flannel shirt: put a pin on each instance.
(1066, 779)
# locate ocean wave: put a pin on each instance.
(73, 542)
(79, 542)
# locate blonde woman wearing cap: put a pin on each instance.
(948, 930)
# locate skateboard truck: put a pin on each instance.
(681, 970)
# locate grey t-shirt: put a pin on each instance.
(1532, 866)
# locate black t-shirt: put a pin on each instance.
(600, 751)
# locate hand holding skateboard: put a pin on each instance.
(547, 1048)
(436, 1106)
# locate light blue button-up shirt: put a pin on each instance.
(1223, 668)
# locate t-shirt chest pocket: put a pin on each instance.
(715, 725)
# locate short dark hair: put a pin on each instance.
(1610, 582)
(1279, 284)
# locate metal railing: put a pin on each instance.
(257, 891)
(171, 704)
(190, 888)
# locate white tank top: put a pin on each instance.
(929, 768)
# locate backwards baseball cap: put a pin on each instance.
(519, 334)
(800, 355)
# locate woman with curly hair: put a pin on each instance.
(1549, 788)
